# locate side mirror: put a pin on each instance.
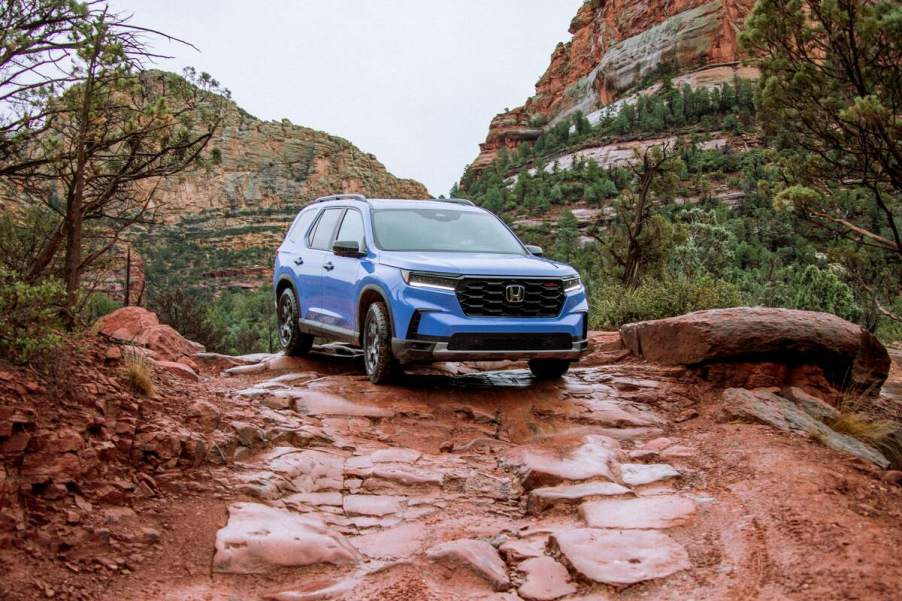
(347, 248)
(535, 250)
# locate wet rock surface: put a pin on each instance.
(621, 481)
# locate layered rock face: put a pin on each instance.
(274, 165)
(616, 45)
(245, 201)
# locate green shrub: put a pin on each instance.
(613, 305)
(30, 324)
(813, 289)
(97, 305)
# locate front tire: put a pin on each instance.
(294, 342)
(548, 369)
(381, 366)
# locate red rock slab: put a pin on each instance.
(593, 457)
(393, 543)
(312, 402)
(542, 498)
(663, 511)
(372, 505)
(478, 556)
(178, 369)
(258, 539)
(524, 548)
(619, 557)
(546, 580)
(638, 474)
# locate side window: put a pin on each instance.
(352, 229)
(322, 235)
(300, 227)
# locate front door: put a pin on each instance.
(310, 273)
(340, 274)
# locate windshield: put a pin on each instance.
(442, 230)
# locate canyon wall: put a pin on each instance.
(222, 223)
(617, 47)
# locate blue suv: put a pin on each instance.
(424, 280)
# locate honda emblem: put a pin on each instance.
(515, 293)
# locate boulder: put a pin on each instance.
(138, 326)
(850, 356)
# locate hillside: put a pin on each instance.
(704, 228)
(232, 214)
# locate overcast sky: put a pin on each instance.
(415, 82)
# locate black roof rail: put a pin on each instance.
(458, 201)
(357, 197)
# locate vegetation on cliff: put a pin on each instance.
(797, 209)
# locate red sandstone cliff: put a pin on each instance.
(617, 44)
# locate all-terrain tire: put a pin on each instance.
(381, 365)
(294, 342)
(548, 369)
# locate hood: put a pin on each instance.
(477, 264)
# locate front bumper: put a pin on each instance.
(426, 351)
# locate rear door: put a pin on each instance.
(319, 245)
(293, 254)
(340, 274)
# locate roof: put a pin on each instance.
(399, 203)
(344, 199)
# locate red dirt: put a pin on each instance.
(777, 516)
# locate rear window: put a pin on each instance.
(301, 225)
(325, 227)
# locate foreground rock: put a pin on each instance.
(662, 511)
(546, 579)
(479, 556)
(259, 539)
(140, 327)
(593, 457)
(847, 353)
(620, 557)
(786, 415)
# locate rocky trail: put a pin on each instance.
(626, 480)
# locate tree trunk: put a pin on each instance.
(75, 211)
(128, 278)
(72, 267)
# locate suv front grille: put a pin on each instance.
(486, 297)
(510, 342)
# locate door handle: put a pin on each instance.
(299, 261)
(329, 266)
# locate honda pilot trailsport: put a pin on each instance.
(421, 281)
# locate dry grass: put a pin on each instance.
(883, 434)
(139, 372)
(860, 426)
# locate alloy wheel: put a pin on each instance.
(286, 321)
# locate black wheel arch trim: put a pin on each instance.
(287, 279)
(381, 292)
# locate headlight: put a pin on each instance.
(429, 280)
(572, 283)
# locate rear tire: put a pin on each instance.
(381, 366)
(294, 342)
(548, 369)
